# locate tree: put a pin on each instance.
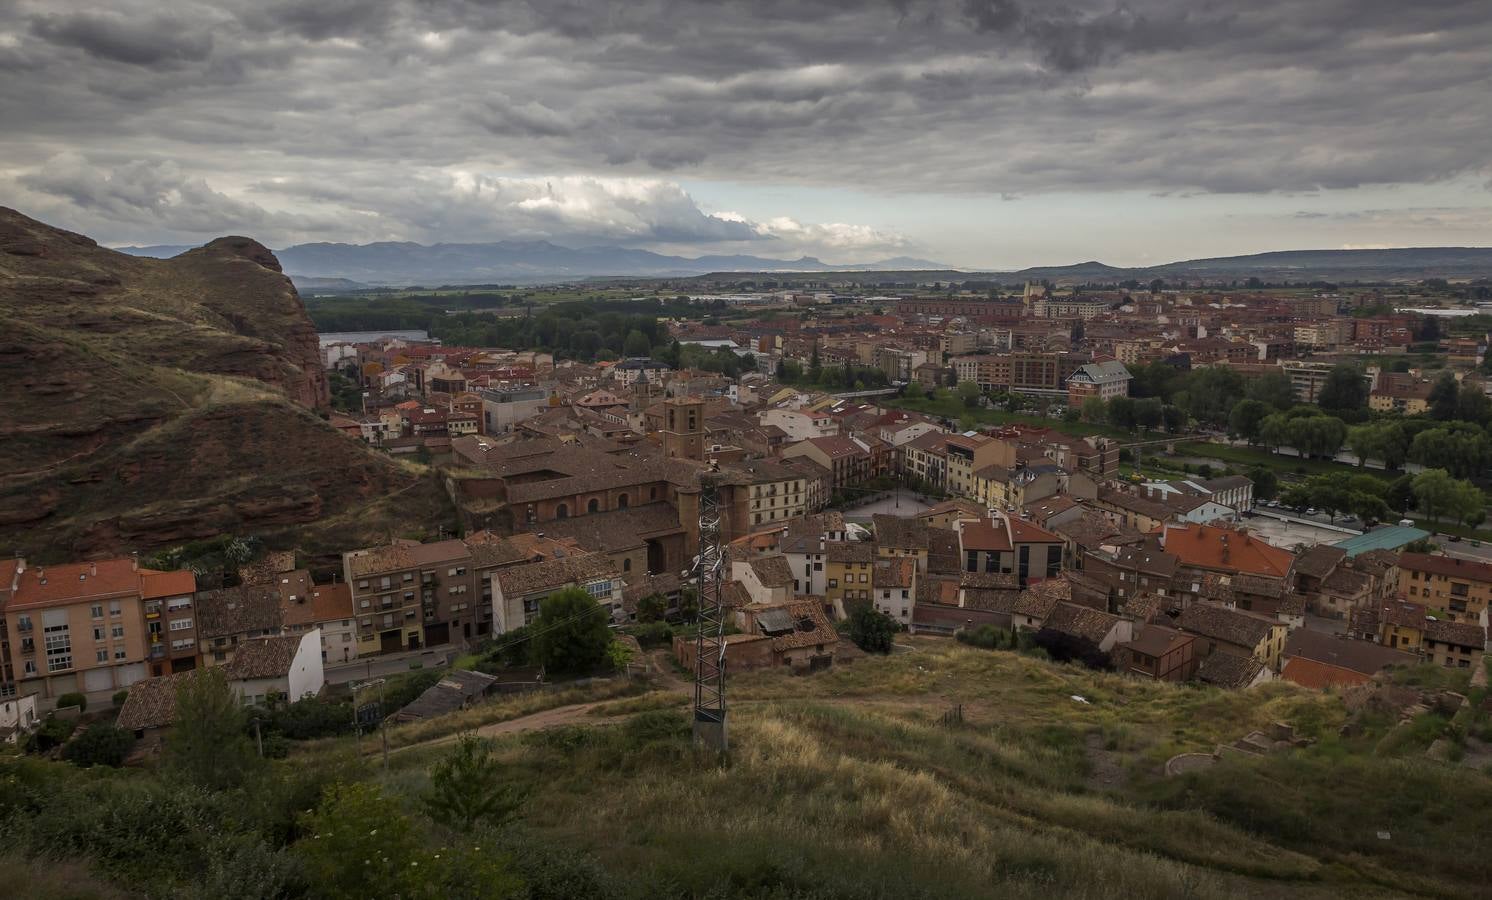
(1246, 417)
(1443, 396)
(652, 608)
(1368, 507)
(1148, 412)
(73, 698)
(208, 745)
(1266, 483)
(1384, 441)
(1400, 494)
(814, 369)
(1210, 394)
(872, 630)
(1273, 389)
(101, 744)
(1094, 410)
(1435, 492)
(1174, 418)
(467, 788)
(969, 393)
(618, 656)
(1121, 412)
(571, 633)
(1344, 391)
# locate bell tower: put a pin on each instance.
(684, 428)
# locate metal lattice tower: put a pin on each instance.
(709, 643)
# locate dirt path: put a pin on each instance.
(548, 718)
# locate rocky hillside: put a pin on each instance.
(150, 401)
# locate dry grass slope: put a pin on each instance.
(851, 784)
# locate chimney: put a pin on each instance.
(93, 569)
(135, 561)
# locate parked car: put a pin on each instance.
(1311, 511)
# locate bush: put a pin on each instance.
(100, 745)
(653, 634)
(872, 630)
(53, 732)
(73, 698)
(120, 697)
(572, 633)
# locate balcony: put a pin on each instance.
(157, 651)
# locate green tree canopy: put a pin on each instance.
(571, 633)
(1344, 392)
(208, 745)
(1247, 417)
(872, 630)
(1273, 389)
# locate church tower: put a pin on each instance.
(684, 428)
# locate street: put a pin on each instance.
(390, 664)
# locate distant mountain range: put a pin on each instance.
(325, 267)
(402, 263)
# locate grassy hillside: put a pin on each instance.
(859, 783)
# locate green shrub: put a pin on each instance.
(100, 745)
(53, 732)
(120, 697)
(73, 698)
(872, 630)
(652, 634)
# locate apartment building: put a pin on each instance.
(409, 595)
(1451, 587)
(85, 627)
(1104, 380)
(519, 591)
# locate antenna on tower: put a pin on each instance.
(709, 641)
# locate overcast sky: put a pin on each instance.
(972, 132)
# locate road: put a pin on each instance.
(391, 664)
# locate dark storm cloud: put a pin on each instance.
(107, 36)
(991, 97)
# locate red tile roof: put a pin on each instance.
(104, 579)
(1318, 675)
(1210, 547)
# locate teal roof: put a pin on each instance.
(1390, 537)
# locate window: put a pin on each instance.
(363, 603)
(98, 632)
(592, 506)
(833, 582)
(627, 565)
(179, 603)
(181, 644)
(102, 656)
(621, 501)
(385, 582)
(114, 609)
(119, 653)
(97, 611)
(599, 588)
(562, 511)
(181, 624)
(23, 623)
(118, 630)
(30, 667)
(362, 583)
(408, 577)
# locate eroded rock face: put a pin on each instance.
(148, 402)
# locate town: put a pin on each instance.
(666, 451)
(1097, 469)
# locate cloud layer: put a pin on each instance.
(414, 118)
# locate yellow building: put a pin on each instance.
(848, 568)
(1452, 588)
